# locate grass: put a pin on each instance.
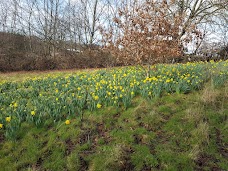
(174, 132)
(176, 119)
(25, 75)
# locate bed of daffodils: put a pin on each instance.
(58, 98)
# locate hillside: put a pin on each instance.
(116, 119)
(23, 53)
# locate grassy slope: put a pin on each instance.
(24, 75)
(175, 132)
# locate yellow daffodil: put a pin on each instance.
(15, 105)
(1, 126)
(96, 97)
(33, 113)
(8, 119)
(99, 105)
(168, 80)
(67, 122)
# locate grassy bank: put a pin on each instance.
(175, 132)
(170, 128)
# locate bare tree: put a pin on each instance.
(4, 14)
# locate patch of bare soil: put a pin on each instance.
(84, 137)
(221, 145)
(84, 165)
(102, 133)
(116, 116)
(126, 161)
(38, 164)
(2, 138)
(206, 161)
(70, 146)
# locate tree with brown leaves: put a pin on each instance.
(156, 30)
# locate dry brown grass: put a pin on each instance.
(194, 114)
(194, 153)
(209, 95)
(23, 75)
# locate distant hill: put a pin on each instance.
(20, 52)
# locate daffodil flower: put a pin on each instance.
(33, 113)
(8, 119)
(67, 122)
(99, 105)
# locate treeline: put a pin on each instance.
(52, 34)
(60, 34)
(15, 55)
